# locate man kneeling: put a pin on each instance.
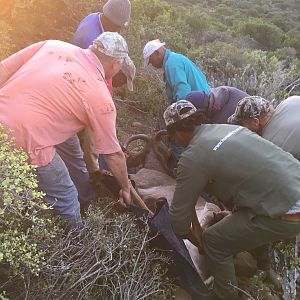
(261, 182)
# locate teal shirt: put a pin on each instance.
(237, 166)
(182, 76)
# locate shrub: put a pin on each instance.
(146, 97)
(198, 21)
(220, 61)
(112, 260)
(268, 35)
(294, 41)
(23, 230)
(151, 8)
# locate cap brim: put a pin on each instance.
(146, 61)
(155, 48)
(129, 84)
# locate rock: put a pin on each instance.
(245, 264)
(137, 124)
(181, 294)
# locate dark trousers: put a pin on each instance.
(240, 232)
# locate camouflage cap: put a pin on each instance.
(111, 44)
(248, 108)
(129, 70)
(178, 111)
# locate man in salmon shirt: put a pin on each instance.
(115, 15)
(51, 90)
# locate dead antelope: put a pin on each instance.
(155, 180)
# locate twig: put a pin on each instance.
(126, 102)
(241, 290)
(295, 82)
(294, 86)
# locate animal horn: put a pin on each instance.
(158, 135)
(135, 137)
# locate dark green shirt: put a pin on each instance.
(238, 167)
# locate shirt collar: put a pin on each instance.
(167, 54)
(101, 29)
(92, 57)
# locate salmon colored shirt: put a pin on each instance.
(56, 89)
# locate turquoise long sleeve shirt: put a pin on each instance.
(182, 76)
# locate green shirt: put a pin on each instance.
(238, 167)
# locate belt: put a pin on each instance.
(291, 217)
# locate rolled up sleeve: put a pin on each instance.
(190, 182)
(102, 119)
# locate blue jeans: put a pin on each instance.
(61, 193)
(72, 155)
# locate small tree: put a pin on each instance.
(23, 230)
(268, 35)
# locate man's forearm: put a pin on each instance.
(116, 162)
(3, 75)
(90, 158)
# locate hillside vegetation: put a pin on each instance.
(254, 45)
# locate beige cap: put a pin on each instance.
(129, 70)
(111, 44)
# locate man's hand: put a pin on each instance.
(221, 215)
(125, 197)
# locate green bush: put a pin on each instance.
(198, 21)
(294, 41)
(23, 230)
(268, 35)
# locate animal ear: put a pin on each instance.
(136, 160)
(158, 135)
